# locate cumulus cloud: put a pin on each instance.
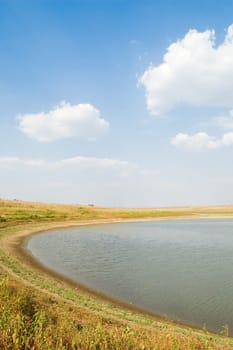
(194, 71)
(201, 141)
(64, 121)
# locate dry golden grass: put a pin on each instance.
(12, 212)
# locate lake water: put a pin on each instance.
(181, 269)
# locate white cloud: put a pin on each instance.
(194, 71)
(102, 181)
(112, 182)
(79, 162)
(63, 121)
(225, 121)
(201, 141)
(12, 162)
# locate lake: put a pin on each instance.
(182, 269)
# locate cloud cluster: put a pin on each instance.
(194, 71)
(63, 121)
(79, 162)
(201, 141)
(102, 181)
(95, 166)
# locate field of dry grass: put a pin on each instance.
(40, 311)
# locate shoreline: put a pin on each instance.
(16, 246)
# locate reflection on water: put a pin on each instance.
(182, 269)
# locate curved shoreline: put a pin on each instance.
(16, 246)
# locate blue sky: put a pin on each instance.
(117, 103)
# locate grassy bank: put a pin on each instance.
(41, 311)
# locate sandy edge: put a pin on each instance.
(16, 246)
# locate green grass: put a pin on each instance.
(40, 312)
(30, 320)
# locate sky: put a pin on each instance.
(121, 103)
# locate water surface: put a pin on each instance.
(181, 269)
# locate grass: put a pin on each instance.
(38, 311)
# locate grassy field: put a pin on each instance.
(40, 311)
